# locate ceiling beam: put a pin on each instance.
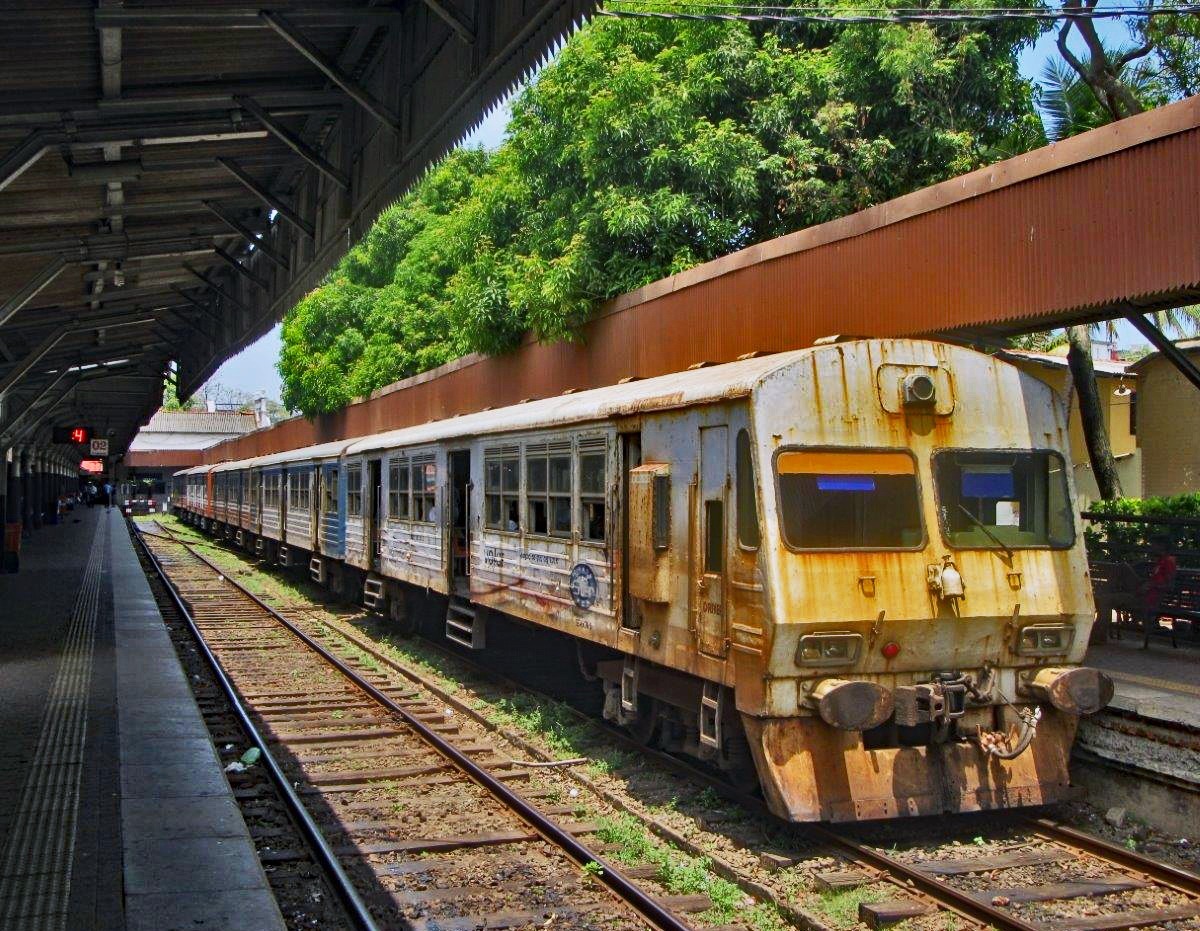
(30, 289)
(319, 60)
(21, 157)
(330, 15)
(452, 18)
(294, 142)
(248, 234)
(267, 197)
(242, 269)
(213, 286)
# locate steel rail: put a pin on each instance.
(1180, 880)
(357, 910)
(646, 905)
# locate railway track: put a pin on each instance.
(427, 825)
(1032, 875)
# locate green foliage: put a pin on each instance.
(170, 401)
(1133, 541)
(645, 148)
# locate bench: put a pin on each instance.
(1120, 601)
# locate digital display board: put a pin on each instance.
(75, 434)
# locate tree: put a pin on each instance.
(645, 148)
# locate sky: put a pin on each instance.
(253, 370)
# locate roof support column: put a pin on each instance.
(1158, 339)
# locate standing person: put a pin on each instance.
(89, 492)
(107, 495)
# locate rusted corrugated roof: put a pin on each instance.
(234, 422)
(1071, 232)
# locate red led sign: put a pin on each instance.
(92, 465)
(80, 435)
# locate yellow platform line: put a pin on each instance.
(1165, 684)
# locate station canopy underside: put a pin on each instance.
(175, 175)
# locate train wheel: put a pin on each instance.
(645, 728)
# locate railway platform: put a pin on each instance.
(1160, 683)
(114, 811)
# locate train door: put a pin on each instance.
(459, 517)
(315, 502)
(373, 518)
(711, 549)
(631, 458)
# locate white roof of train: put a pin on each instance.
(663, 392)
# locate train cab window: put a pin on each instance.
(1003, 499)
(593, 516)
(749, 535)
(424, 489)
(849, 500)
(329, 492)
(398, 499)
(354, 495)
(548, 487)
(502, 488)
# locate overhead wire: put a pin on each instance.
(698, 10)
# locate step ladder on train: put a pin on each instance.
(285, 556)
(373, 595)
(465, 623)
(316, 568)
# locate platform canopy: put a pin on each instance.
(174, 175)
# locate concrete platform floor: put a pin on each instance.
(1160, 683)
(114, 811)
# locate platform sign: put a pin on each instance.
(94, 466)
(99, 447)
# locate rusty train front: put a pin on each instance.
(925, 598)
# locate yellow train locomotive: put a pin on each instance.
(851, 573)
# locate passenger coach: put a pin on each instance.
(851, 572)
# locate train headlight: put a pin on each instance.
(1045, 639)
(835, 649)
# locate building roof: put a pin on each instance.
(1190, 346)
(1102, 366)
(232, 422)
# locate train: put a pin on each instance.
(851, 575)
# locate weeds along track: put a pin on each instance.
(1000, 871)
(433, 825)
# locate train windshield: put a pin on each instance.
(849, 500)
(1003, 500)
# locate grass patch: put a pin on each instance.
(682, 874)
(841, 907)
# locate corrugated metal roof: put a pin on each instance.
(235, 423)
(1103, 366)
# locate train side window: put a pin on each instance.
(502, 488)
(548, 487)
(330, 491)
(714, 537)
(424, 489)
(749, 534)
(398, 489)
(592, 486)
(354, 497)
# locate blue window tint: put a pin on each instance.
(988, 483)
(845, 483)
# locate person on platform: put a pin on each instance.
(108, 490)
